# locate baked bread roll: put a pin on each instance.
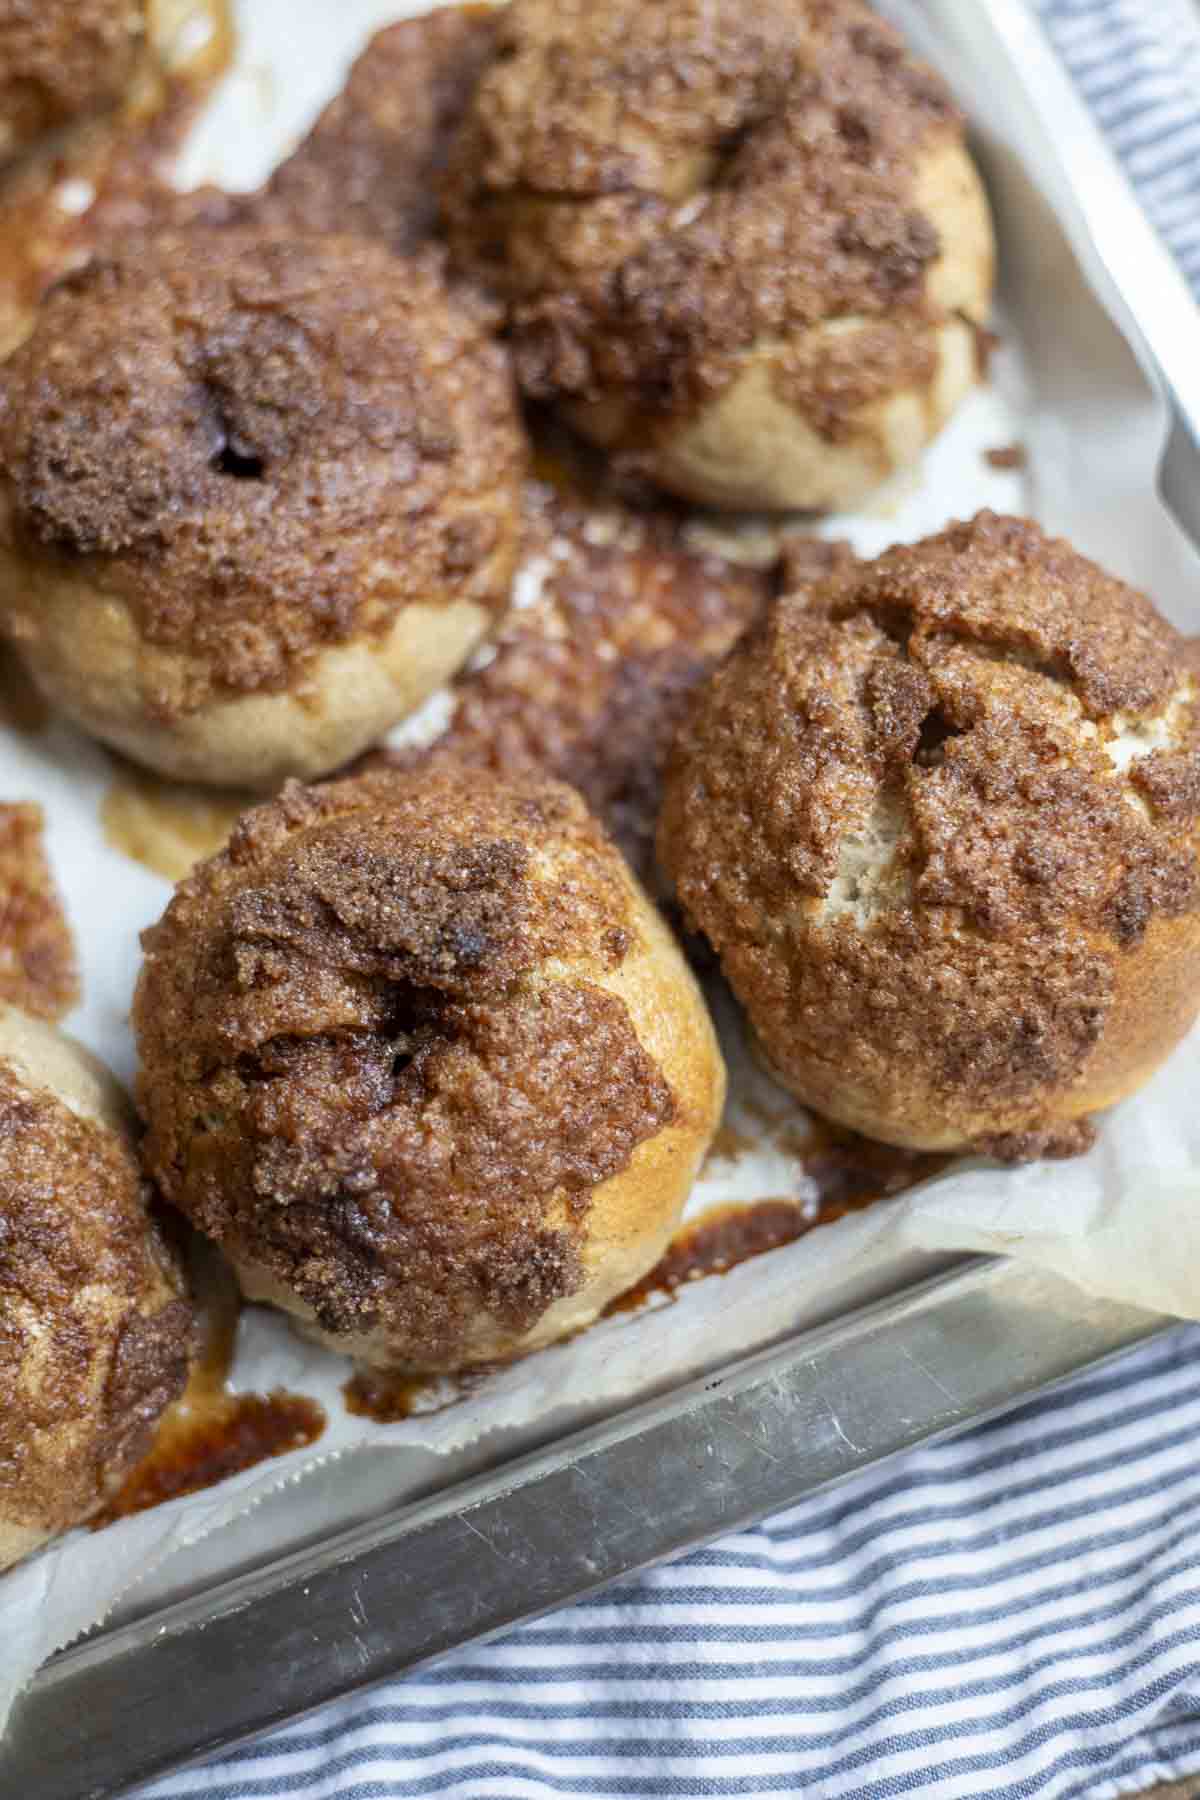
(744, 245)
(62, 60)
(940, 819)
(419, 1055)
(258, 498)
(95, 1328)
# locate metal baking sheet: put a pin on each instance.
(530, 1534)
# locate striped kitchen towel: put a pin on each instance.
(1137, 63)
(1014, 1613)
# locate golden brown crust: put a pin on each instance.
(62, 59)
(917, 818)
(95, 1332)
(659, 189)
(38, 969)
(618, 617)
(383, 1061)
(311, 437)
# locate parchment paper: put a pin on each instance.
(1123, 1221)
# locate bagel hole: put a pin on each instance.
(935, 733)
(856, 132)
(728, 148)
(892, 622)
(242, 465)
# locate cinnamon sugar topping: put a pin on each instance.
(38, 970)
(619, 161)
(95, 1333)
(63, 58)
(925, 812)
(355, 1074)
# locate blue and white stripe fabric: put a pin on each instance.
(1012, 1614)
(1137, 63)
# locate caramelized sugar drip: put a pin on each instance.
(218, 1303)
(38, 971)
(729, 1142)
(22, 708)
(241, 1431)
(712, 1244)
(389, 1396)
(210, 1433)
(842, 1173)
(387, 1399)
(167, 826)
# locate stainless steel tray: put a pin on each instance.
(533, 1533)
